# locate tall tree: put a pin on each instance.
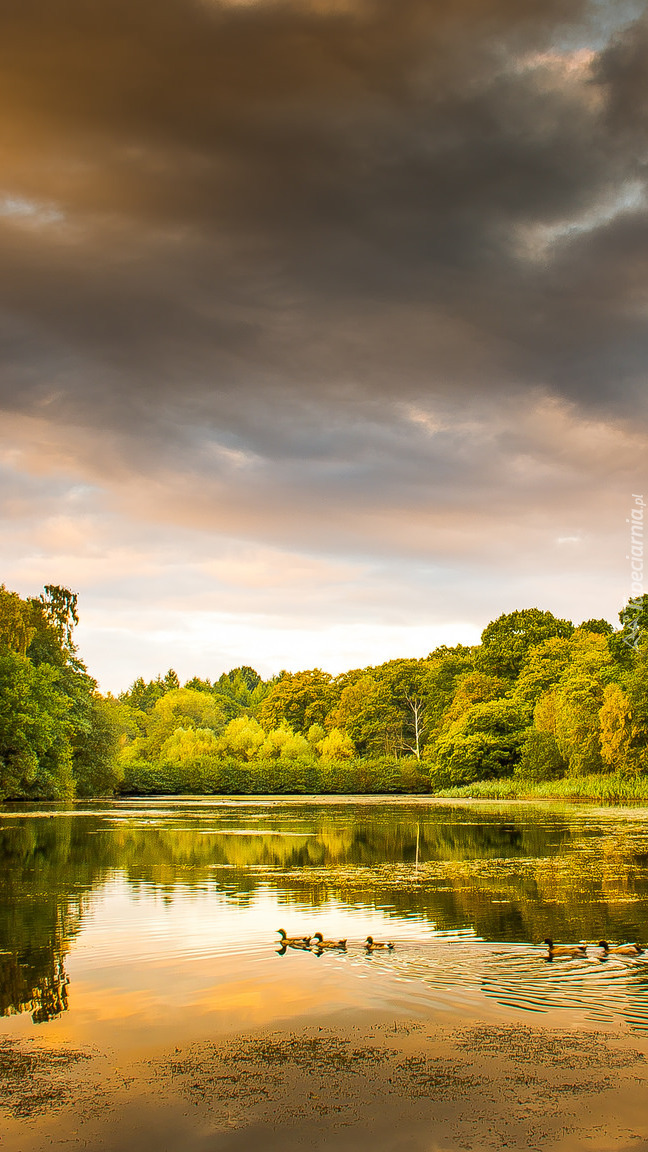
(35, 731)
(299, 698)
(615, 722)
(507, 640)
(485, 741)
(579, 696)
(367, 712)
(16, 629)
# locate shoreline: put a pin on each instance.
(228, 799)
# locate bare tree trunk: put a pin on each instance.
(416, 708)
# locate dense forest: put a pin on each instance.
(537, 700)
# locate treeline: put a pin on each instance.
(537, 700)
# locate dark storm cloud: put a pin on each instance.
(272, 196)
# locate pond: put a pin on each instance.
(132, 922)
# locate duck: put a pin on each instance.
(621, 949)
(293, 941)
(573, 950)
(371, 944)
(318, 941)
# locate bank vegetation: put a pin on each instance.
(540, 708)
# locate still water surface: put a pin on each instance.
(137, 922)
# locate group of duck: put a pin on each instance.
(575, 951)
(317, 943)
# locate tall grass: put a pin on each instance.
(600, 789)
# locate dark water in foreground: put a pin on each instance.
(140, 921)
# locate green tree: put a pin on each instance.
(243, 737)
(187, 746)
(603, 627)
(59, 606)
(367, 712)
(283, 744)
(484, 742)
(242, 689)
(578, 697)
(143, 695)
(473, 688)
(315, 734)
(636, 686)
(178, 708)
(299, 698)
(507, 640)
(35, 731)
(52, 617)
(446, 667)
(406, 684)
(544, 714)
(243, 675)
(542, 669)
(16, 629)
(199, 685)
(97, 771)
(539, 757)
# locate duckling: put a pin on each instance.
(620, 949)
(573, 950)
(371, 944)
(318, 941)
(293, 941)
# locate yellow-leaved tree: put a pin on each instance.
(338, 745)
(189, 745)
(578, 701)
(283, 744)
(242, 738)
(615, 721)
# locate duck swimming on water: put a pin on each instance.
(620, 949)
(318, 941)
(572, 950)
(293, 941)
(371, 945)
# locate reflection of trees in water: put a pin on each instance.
(33, 983)
(52, 997)
(517, 878)
(48, 875)
(302, 838)
(507, 876)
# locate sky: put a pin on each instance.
(324, 322)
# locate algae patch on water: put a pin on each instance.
(34, 1080)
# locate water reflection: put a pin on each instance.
(588, 986)
(494, 874)
(33, 984)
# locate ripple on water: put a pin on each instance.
(519, 978)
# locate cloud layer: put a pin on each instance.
(318, 316)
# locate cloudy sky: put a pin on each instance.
(324, 322)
